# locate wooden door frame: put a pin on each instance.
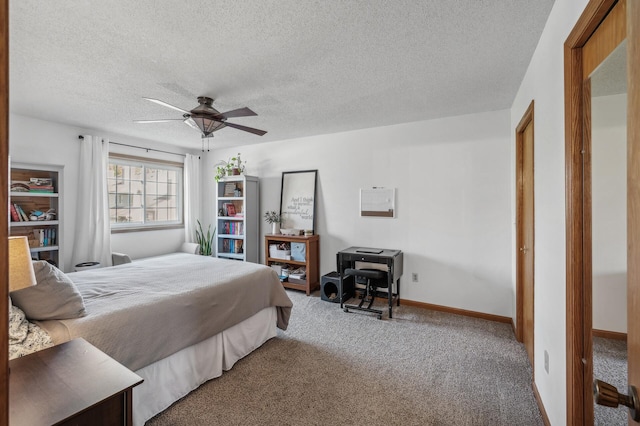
(526, 119)
(4, 220)
(633, 183)
(578, 243)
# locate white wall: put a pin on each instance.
(544, 83)
(36, 141)
(609, 201)
(453, 200)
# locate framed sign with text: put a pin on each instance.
(298, 200)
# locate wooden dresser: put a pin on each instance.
(70, 384)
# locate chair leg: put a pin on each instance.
(373, 295)
(364, 297)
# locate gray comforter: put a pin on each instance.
(144, 311)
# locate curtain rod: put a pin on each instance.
(140, 147)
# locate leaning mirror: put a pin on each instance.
(297, 200)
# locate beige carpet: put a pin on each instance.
(610, 365)
(334, 368)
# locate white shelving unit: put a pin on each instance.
(42, 201)
(237, 218)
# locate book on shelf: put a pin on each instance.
(232, 246)
(39, 236)
(45, 237)
(233, 228)
(41, 189)
(14, 214)
(40, 181)
(41, 185)
(229, 189)
(21, 214)
(24, 215)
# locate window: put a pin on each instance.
(144, 194)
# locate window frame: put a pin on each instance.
(130, 160)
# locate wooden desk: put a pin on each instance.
(70, 384)
(392, 258)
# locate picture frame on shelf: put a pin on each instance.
(229, 189)
(230, 209)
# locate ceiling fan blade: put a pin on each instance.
(240, 112)
(245, 128)
(166, 120)
(166, 104)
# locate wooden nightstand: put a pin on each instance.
(70, 384)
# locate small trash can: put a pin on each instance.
(329, 284)
(86, 265)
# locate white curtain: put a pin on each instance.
(92, 242)
(191, 196)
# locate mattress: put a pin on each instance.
(144, 311)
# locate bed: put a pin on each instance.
(177, 320)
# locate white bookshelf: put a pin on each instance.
(30, 201)
(237, 235)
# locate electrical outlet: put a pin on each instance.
(546, 361)
(414, 277)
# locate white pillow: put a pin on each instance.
(54, 297)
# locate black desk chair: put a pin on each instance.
(374, 279)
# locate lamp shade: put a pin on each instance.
(21, 273)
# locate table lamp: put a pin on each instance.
(21, 273)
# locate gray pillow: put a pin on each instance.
(54, 297)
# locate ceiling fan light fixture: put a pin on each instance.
(206, 124)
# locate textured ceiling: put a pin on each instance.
(306, 67)
(610, 77)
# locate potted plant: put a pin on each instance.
(274, 219)
(223, 168)
(236, 165)
(205, 241)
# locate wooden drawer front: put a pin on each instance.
(110, 412)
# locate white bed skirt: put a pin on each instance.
(171, 378)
